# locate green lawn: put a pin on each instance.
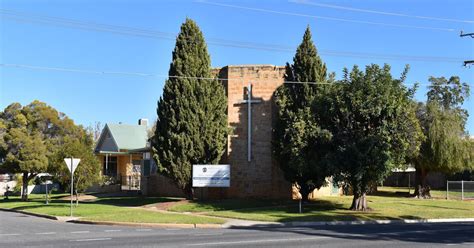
(107, 209)
(388, 203)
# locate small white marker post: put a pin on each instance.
(46, 192)
(72, 165)
(300, 206)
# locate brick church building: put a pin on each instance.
(254, 172)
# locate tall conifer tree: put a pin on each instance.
(192, 122)
(297, 133)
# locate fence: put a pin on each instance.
(463, 190)
(130, 182)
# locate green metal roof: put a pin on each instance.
(129, 137)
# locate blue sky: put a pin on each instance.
(89, 97)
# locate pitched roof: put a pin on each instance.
(128, 137)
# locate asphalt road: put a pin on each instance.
(19, 230)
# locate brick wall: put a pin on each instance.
(159, 185)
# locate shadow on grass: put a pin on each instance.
(132, 201)
(434, 206)
(288, 211)
(391, 194)
(237, 204)
(125, 201)
(322, 210)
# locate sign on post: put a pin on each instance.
(72, 165)
(214, 175)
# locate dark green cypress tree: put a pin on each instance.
(192, 121)
(298, 137)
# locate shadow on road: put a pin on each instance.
(434, 233)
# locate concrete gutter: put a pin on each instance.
(112, 223)
(243, 224)
(379, 222)
(161, 225)
(29, 213)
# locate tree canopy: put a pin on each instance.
(31, 137)
(372, 119)
(192, 121)
(88, 171)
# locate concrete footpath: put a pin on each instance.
(245, 223)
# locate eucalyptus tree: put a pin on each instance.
(31, 136)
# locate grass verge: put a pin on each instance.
(117, 209)
(387, 204)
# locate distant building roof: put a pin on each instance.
(117, 137)
(129, 136)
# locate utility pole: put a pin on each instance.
(468, 34)
(467, 62)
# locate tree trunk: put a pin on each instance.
(422, 190)
(189, 192)
(24, 189)
(359, 202)
(304, 191)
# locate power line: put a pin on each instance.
(74, 70)
(146, 33)
(62, 69)
(326, 17)
(340, 7)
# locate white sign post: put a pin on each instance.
(72, 165)
(214, 175)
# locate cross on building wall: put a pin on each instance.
(249, 102)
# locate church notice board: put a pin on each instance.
(211, 175)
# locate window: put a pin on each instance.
(146, 167)
(110, 167)
(137, 166)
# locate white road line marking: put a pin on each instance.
(45, 233)
(255, 241)
(421, 231)
(143, 230)
(112, 230)
(81, 232)
(9, 234)
(207, 234)
(84, 240)
(173, 229)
